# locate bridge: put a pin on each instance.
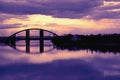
(27, 35)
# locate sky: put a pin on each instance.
(60, 16)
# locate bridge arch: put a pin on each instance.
(33, 29)
(12, 39)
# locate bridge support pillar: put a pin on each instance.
(27, 41)
(41, 41)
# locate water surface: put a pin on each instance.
(57, 64)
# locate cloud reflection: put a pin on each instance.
(57, 70)
(58, 65)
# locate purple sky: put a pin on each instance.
(104, 13)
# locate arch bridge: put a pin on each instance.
(42, 35)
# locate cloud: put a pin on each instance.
(8, 26)
(106, 12)
(52, 24)
(62, 8)
(105, 15)
(95, 9)
(4, 16)
(110, 7)
(113, 0)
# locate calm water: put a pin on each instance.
(53, 64)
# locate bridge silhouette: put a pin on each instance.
(12, 40)
(102, 43)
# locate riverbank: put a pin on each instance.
(69, 39)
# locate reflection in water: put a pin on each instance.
(103, 49)
(58, 65)
(34, 46)
(57, 70)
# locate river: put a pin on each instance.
(58, 64)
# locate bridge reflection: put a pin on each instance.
(34, 46)
(41, 35)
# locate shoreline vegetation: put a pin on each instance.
(70, 39)
(103, 43)
(106, 39)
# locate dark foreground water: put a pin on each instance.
(58, 64)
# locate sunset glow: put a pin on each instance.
(102, 18)
(59, 39)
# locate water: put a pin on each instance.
(54, 64)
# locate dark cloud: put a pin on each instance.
(110, 7)
(67, 9)
(106, 12)
(8, 16)
(8, 26)
(16, 8)
(106, 15)
(62, 8)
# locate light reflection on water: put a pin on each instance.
(58, 65)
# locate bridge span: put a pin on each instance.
(41, 35)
